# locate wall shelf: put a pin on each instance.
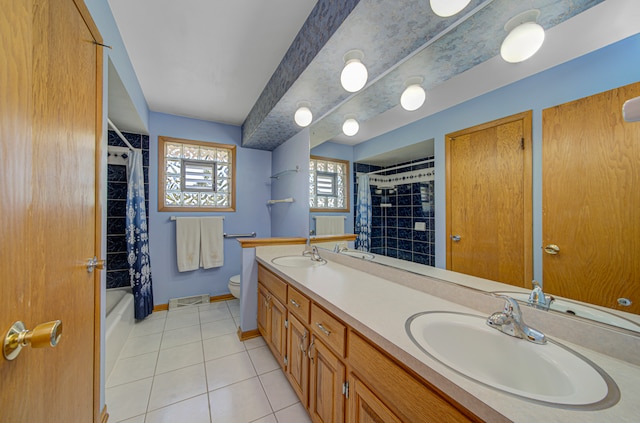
(285, 172)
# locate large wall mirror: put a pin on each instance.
(564, 100)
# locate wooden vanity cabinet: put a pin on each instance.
(298, 339)
(320, 354)
(326, 385)
(272, 315)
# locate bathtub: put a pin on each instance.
(118, 324)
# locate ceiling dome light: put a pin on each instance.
(354, 74)
(303, 115)
(413, 96)
(446, 8)
(524, 39)
(350, 127)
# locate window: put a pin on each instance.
(328, 184)
(195, 175)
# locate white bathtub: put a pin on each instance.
(118, 324)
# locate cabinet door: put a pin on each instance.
(365, 407)
(263, 305)
(326, 400)
(298, 364)
(277, 314)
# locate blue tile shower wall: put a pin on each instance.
(117, 266)
(392, 229)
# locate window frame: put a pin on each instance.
(162, 176)
(347, 186)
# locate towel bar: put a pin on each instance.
(251, 235)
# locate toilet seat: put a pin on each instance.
(234, 285)
(234, 280)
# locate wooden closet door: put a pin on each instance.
(591, 200)
(489, 200)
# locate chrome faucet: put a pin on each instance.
(313, 253)
(338, 248)
(538, 299)
(510, 321)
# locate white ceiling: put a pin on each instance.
(207, 59)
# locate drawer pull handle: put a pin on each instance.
(323, 329)
(295, 304)
(302, 342)
(309, 353)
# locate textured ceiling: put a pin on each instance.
(399, 39)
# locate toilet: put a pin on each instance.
(234, 285)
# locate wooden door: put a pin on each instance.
(488, 179)
(50, 111)
(298, 362)
(591, 200)
(326, 401)
(278, 332)
(365, 407)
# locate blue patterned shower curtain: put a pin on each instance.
(138, 238)
(363, 214)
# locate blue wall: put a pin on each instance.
(253, 168)
(342, 152)
(602, 70)
(290, 219)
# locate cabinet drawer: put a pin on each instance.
(329, 329)
(274, 284)
(298, 304)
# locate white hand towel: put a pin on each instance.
(188, 243)
(211, 242)
(329, 225)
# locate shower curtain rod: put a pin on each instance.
(120, 134)
(400, 167)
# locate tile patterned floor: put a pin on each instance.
(188, 366)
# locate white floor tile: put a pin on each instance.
(234, 307)
(214, 314)
(278, 389)
(137, 419)
(133, 368)
(171, 387)
(254, 343)
(157, 315)
(221, 346)
(242, 402)
(141, 345)
(271, 418)
(147, 327)
(218, 328)
(193, 410)
(228, 370)
(181, 321)
(182, 311)
(173, 338)
(178, 357)
(218, 305)
(128, 400)
(263, 360)
(293, 414)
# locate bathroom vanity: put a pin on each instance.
(341, 336)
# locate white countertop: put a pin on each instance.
(379, 308)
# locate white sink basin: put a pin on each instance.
(297, 261)
(581, 310)
(359, 254)
(549, 374)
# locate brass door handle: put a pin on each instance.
(44, 335)
(552, 249)
(456, 238)
(94, 263)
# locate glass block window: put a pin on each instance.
(197, 175)
(328, 184)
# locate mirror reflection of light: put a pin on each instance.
(522, 42)
(412, 97)
(446, 8)
(350, 127)
(303, 116)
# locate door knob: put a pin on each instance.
(552, 249)
(44, 335)
(94, 263)
(455, 238)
